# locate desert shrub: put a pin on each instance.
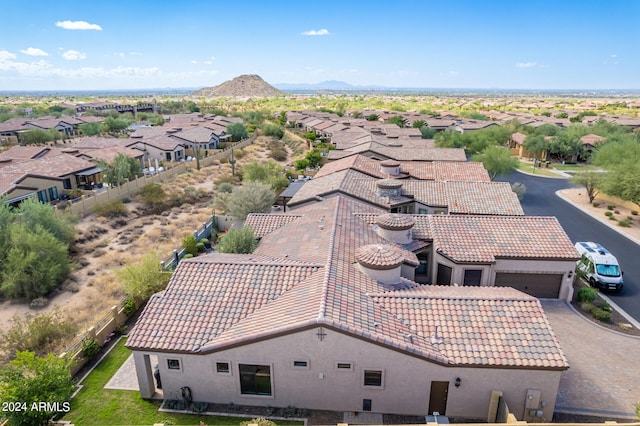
(610, 207)
(129, 305)
(629, 218)
(238, 153)
(190, 245)
(39, 302)
(225, 187)
(605, 306)
(90, 348)
(153, 196)
(200, 246)
(520, 189)
(596, 204)
(238, 241)
(587, 294)
(41, 334)
(144, 278)
(617, 211)
(624, 223)
(612, 218)
(230, 179)
(608, 214)
(192, 194)
(74, 193)
(601, 315)
(301, 164)
(187, 256)
(279, 154)
(112, 208)
(274, 130)
(587, 307)
(634, 212)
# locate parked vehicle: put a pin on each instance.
(599, 266)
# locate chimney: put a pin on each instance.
(381, 262)
(390, 188)
(390, 167)
(395, 227)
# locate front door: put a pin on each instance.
(438, 398)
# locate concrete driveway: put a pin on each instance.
(604, 375)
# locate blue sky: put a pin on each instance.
(85, 45)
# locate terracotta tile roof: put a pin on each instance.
(379, 256)
(56, 165)
(592, 139)
(495, 198)
(216, 301)
(208, 295)
(395, 221)
(264, 224)
(483, 326)
(403, 153)
(485, 238)
(195, 134)
(13, 125)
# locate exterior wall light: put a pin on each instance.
(458, 382)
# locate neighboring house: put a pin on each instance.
(589, 143)
(324, 315)
(199, 137)
(518, 149)
(470, 171)
(412, 196)
(402, 150)
(465, 126)
(43, 172)
(162, 147)
(67, 126)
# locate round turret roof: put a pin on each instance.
(395, 221)
(379, 256)
(390, 163)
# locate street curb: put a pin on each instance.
(598, 218)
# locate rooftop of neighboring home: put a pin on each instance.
(402, 150)
(592, 139)
(324, 274)
(435, 170)
(52, 122)
(490, 198)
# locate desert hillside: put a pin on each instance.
(249, 85)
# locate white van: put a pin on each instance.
(599, 266)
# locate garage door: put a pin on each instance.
(538, 285)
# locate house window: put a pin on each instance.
(255, 379)
(373, 378)
(42, 196)
(66, 184)
(300, 364)
(472, 277)
(344, 366)
(168, 156)
(173, 364)
(422, 211)
(366, 405)
(53, 193)
(223, 368)
(444, 275)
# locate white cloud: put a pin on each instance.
(526, 64)
(453, 73)
(5, 56)
(73, 55)
(321, 32)
(614, 56)
(78, 25)
(34, 51)
(194, 62)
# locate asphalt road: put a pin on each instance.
(540, 200)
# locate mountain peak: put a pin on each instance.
(246, 85)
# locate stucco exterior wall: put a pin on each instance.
(406, 379)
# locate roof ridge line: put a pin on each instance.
(325, 285)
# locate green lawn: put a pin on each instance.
(528, 168)
(96, 405)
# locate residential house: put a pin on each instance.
(199, 137)
(161, 147)
(323, 316)
(43, 172)
(412, 196)
(589, 142)
(403, 150)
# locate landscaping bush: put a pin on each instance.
(110, 209)
(274, 130)
(608, 214)
(617, 211)
(612, 218)
(610, 207)
(624, 223)
(200, 246)
(587, 294)
(190, 245)
(601, 315)
(634, 212)
(187, 256)
(238, 153)
(225, 187)
(587, 307)
(605, 306)
(129, 305)
(90, 348)
(596, 204)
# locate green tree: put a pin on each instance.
(622, 181)
(567, 144)
(35, 264)
(238, 130)
(590, 180)
(314, 158)
(242, 241)
(33, 213)
(275, 130)
(190, 245)
(536, 144)
(119, 169)
(115, 125)
(36, 137)
(31, 380)
(269, 173)
(253, 197)
(90, 129)
(497, 160)
(418, 123)
(398, 120)
(144, 278)
(282, 118)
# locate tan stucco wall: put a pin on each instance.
(511, 265)
(406, 387)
